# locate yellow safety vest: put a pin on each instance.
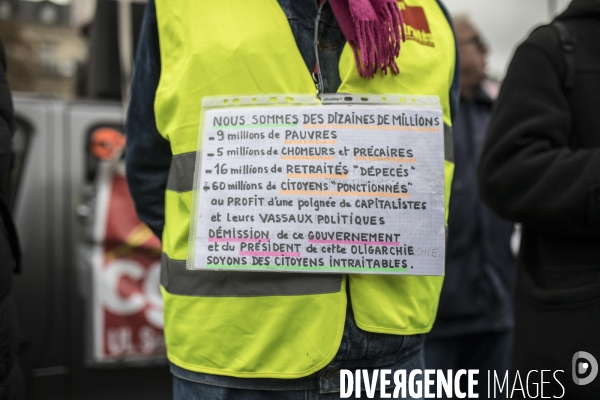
(248, 324)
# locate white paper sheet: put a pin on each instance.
(352, 189)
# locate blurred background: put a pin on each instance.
(59, 46)
(88, 299)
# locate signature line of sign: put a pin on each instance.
(269, 253)
(254, 126)
(385, 159)
(372, 127)
(316, 176)
(331, 193)
(238, 240)
(354, 242)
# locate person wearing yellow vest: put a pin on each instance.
(250, 335)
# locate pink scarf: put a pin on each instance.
(374, 29)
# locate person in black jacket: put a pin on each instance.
(12, 384)
(541, 166)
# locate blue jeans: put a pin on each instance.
(489, 351)
(358, 350)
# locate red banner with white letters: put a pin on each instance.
(127, 304)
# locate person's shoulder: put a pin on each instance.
(542, 40)
(544, 37)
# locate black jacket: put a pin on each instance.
(541, 166)
(480, 267)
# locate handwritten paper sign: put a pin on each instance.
(351, 189)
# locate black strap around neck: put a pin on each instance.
(567, 44)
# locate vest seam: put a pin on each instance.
(235, 297)
(179, 191)
(267, 374)
(393, 331)
(184, 153)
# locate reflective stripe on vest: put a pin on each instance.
(267, 324)
(177, 280)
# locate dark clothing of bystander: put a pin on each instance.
(480, 267)
(475, 319)
(12, 385)
(541, 166)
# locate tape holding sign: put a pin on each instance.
(348, 188)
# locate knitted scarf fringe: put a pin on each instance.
(378, 42)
